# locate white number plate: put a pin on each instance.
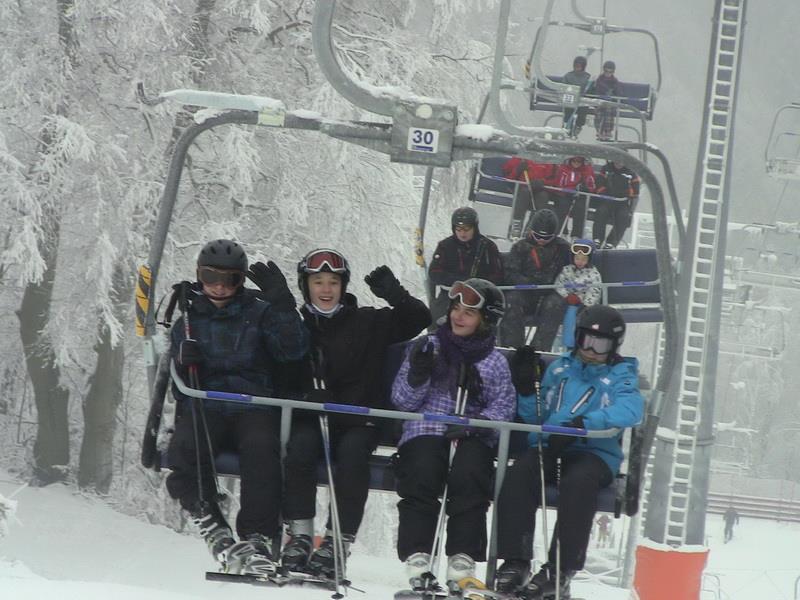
(423, 140)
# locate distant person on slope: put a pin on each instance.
(731, 517)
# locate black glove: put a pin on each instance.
(320, 396)
(457, 432)
(526, 368)
(537, 185)
(558, 443)
(421, 363)
(385, 285)
(183, 289)
(270, 280)
(190, 354)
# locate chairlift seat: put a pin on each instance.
(382, 463)
(638, 95)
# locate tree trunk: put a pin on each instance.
(100, 406)
(51, 449)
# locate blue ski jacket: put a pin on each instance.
(605, 395)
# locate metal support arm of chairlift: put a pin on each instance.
(499, 113)
(598, 26)
(379, 137)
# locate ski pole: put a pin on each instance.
(461, 403)
(198, 408)
(557, 533)
(537, 387)
(338, 542)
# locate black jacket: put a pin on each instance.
(353, 344)
(528, 262)
(454, 260)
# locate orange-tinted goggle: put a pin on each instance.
(466, 295)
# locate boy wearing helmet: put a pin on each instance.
(575, 120)
(427, 382)
(535, 259)
(606, 87)
(619, 181)
(348, 352)
(592, 387)
(228, 339)
(466, 253)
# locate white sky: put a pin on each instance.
(64, 545)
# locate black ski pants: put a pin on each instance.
(421, 475)
(519, 306)
(351, 448)
(619, 214)
(551, 316)
(583, 475)
(254, 435)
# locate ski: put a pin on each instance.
(276, 579)
(472, 588)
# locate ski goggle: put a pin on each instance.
(582, 248)
(542, 237)
(211, 276)
(466, 295)
(320, 260)
(596, 343)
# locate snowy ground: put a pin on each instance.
(68, 546)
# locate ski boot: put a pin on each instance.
(213, 528)
(297, 550)
(322, 562)
(512, 575)
(252, 556)
(418, 572)
(543, 585)
(460, 566)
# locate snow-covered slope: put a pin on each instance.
(73, 547)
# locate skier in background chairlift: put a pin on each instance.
(575, 119)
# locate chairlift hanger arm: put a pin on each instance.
(771, 139)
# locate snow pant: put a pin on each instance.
(583, 475)
(254, 435)
(605, 123)
(421, 475)
(728, 531)
(574, 205)
(519, 306)
(568, 325)
(351, 448)
(575, 125)
(541, 199)
(551, 314)
(618, 214)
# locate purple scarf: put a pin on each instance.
(457, 350)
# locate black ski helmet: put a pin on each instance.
(543, 223)
(610, 64)
(223, 254)
(579, 60)
(602, 320)
(494, 303)
(325, 256)
(464, 216)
